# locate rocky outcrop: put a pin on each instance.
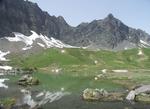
(131, 95)
(28, 80)
(94, 94)
(101, 95)
(107, 33)
(141, 94)
(23, 16)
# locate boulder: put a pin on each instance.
(35, 81)
(92, 94)
(131, 95)
(101, 95)
(115, 96)
(143, 97)
(28, 80)
(140, 94)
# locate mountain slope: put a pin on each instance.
(23, 16)
(108, 33)
(34, 42)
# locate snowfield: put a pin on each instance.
(29, 40)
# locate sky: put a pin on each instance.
(134, 13)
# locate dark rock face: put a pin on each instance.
(105, 33)
(23, 16)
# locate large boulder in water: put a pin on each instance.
(28, 80)
(92, 94)
(131, 95)
(141, 94)
(101, 95)
(143, 97)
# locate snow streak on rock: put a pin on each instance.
(29, 40)
(144, 44)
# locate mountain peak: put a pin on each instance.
(110, 16)
(23, 16)
(60, 18)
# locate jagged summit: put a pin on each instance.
(24, 16)
(110, 16)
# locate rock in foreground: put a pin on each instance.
(28, 80)
(143, 97)
(141, 94)
(101, 95)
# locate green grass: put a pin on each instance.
(7, 102)
(106, 59)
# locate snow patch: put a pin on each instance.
(26, 48)
(95, 78)
(42, 45)
(29, 40)
(120, 71)
(2, 56)
(62, 89)
(144, 44)
(95, 61)
(5, 67)
(63, 51)
(140, 52)
(2, 83)
(104, 71)
(126, 48)
(84, 47)
(1, 74)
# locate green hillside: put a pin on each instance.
(104, 59)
